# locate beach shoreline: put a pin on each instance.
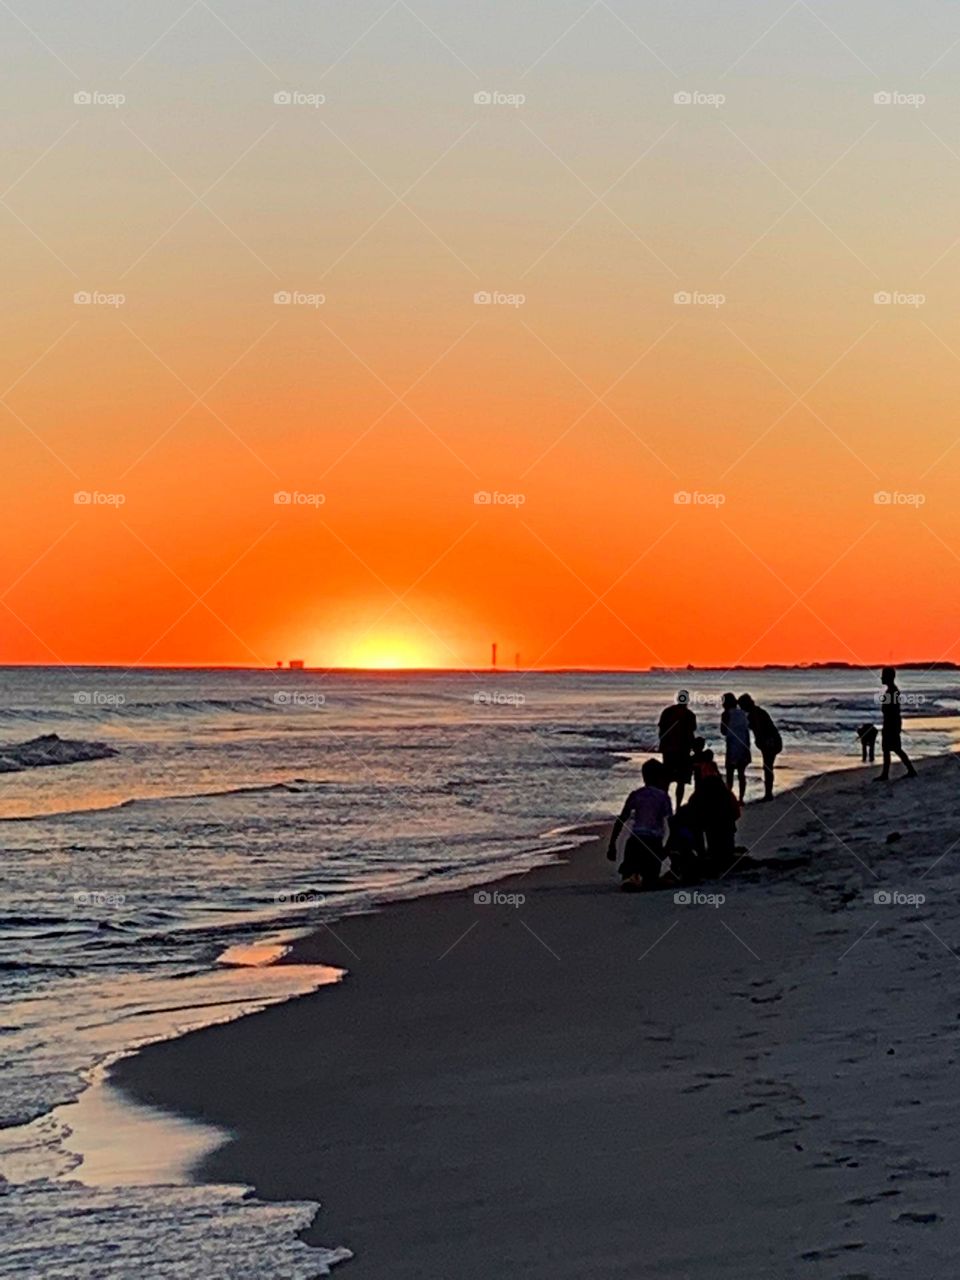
(583, 1082)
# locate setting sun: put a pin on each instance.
(388, 651)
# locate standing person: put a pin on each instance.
(735, 728)
(677, 729)
(767, 737)
(646, 813)
(892, 726)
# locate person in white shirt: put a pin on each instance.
(645, 815)
(735, 728)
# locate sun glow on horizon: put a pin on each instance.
(389, 651)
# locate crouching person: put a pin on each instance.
(645, 816)
(685, 847)
(716, 812)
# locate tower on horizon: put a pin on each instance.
(493, 655)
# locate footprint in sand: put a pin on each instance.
(745, 1110)
(832, 1251)
(830, 1161)
(859, 1201)
(914, 1172)
(775, 1133)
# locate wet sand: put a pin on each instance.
(588, 1083)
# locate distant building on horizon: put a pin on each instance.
(296, 664)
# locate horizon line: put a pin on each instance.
(827, 664)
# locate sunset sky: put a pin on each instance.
(385, 408)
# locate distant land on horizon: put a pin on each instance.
(939, 665)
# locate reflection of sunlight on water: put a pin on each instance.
(254, 955)
(941, 724)
(102, 1138)
(92, 1181)
(120, 1142)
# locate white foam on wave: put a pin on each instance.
(99, 1188)
(74, 1232)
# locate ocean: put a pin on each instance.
(145, 891)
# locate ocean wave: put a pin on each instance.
(202, 706)
(34, 714)
(597, 759)
(602, 733)
(221, 1233)
(858, 704)
(943, 702)
(49, 750)
(296, 786)
(111, 705)
(844, 729)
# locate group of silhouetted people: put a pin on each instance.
(740, 720)
(699, 837)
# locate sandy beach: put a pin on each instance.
(558, 1080)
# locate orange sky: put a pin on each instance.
(399, 398)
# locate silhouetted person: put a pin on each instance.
(890, 743)
(767, 737)
(867, 737)
(685, 845)
(702, 761)
(715, 812)
(735, 728)
(677, 729)
(645, 814)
